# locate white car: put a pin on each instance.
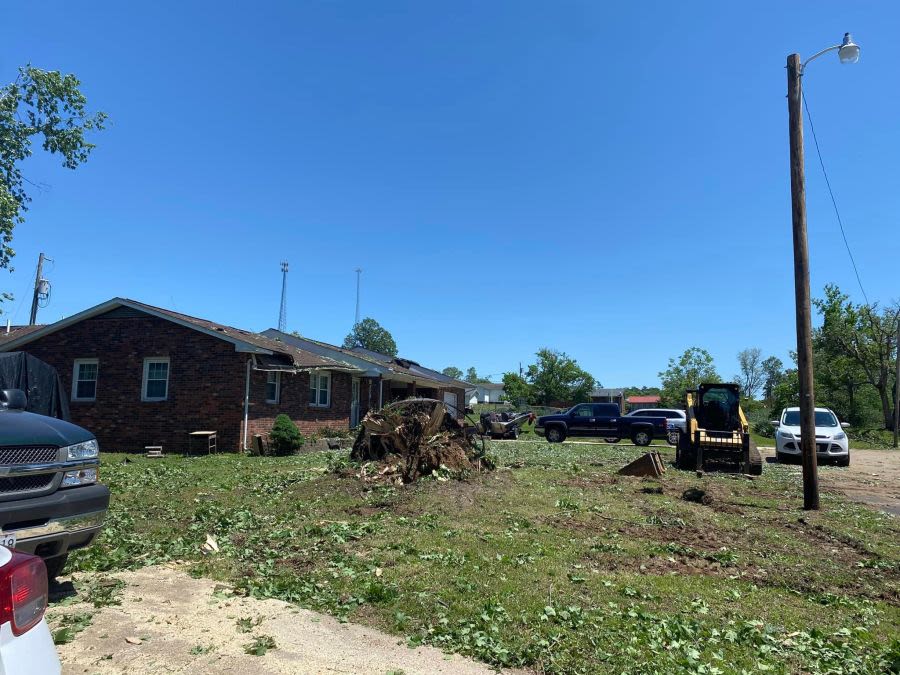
(831, 439)
(26, 646)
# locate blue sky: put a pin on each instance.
(608, 179)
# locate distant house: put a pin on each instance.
(639, 402)
(385, 378)
(141, 375)
(485, 392)
(601, 395)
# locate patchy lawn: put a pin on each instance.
(552, 562)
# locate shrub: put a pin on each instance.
(285, 438)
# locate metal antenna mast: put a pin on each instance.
(358, 273)
(282, 315)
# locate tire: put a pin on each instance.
(685, 455)
(611, 440)
(843, 461)
(756, 462)
(55, 566)
(556, 434)
(642, 437)
(784, 458)
(672, 438)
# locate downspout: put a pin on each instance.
(247, 402)
(380, 392)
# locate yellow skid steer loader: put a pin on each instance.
(716, 432)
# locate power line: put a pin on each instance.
(812, 128)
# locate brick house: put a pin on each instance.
(385, 378)
(139, 375)
(640, 402)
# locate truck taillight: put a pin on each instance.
(23, 592)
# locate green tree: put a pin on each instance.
(473, 378)
(786, 393)
(369, 334)
(862, 338)
(50, 106)
(517, 390)
(688, 371)
(453, 371)
(557, 378)
(643, 391)
(773, 372)
(752, 373)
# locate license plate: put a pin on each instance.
(8, 539)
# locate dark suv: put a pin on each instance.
(50, 500)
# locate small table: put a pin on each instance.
(210, 437)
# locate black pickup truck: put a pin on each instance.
(50, 500)
(600, 420)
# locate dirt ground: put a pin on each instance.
(872, 478)
(187, 625)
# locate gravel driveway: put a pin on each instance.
(169, 622)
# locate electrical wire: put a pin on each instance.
(833, 201)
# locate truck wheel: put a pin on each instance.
(612, 440)
(641, 437)
(673, 438)
(555, 434)
(55, 566)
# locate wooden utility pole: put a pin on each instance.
(37, 284)
(897, 384)
(801, 288)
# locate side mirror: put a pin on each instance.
(845, 425)
(775, 423)
(13, 399)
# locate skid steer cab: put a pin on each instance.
(716, 434)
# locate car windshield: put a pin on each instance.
(824, 418)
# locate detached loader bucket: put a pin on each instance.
(648, 464)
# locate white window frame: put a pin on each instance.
(147, 361)
(277, 375)
(75, 371)
(319, 374)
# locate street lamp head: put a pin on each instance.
(848, 51)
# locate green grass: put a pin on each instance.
(551, 562)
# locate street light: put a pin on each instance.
(848, 52)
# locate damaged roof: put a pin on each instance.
(398, 365)
(244, 341)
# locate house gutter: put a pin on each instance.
(247, 401)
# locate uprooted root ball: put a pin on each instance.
(416, 438)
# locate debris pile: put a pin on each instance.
(697, 495)
(417, 438)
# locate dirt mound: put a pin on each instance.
(416, 438)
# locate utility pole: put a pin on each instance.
(358, 273)
(282, 314)
(897, 384)
(37, 286)
(801, 288)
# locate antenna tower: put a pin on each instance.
(282, 315)
(358, 273)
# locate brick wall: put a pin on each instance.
(206, 382)
(294, 402)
